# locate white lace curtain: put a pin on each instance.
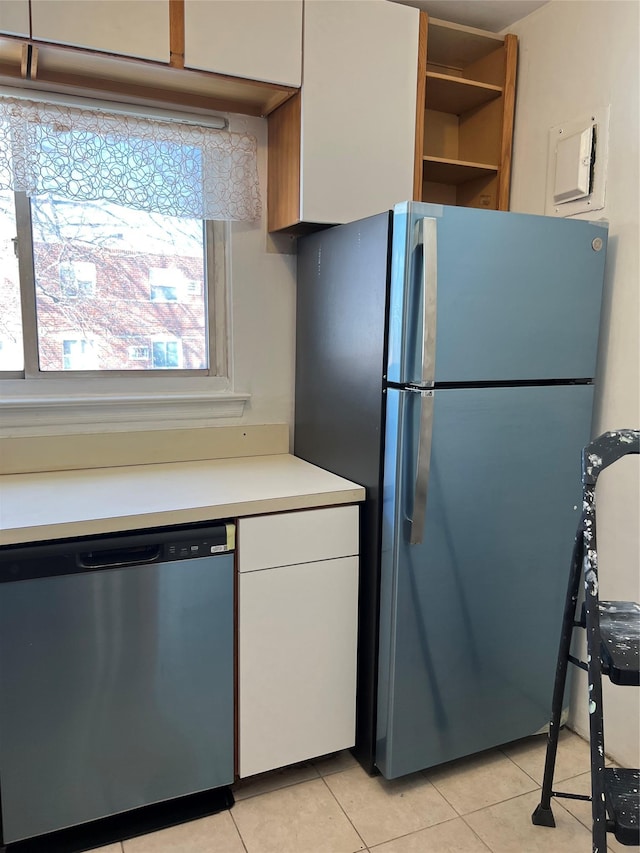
(158, 166)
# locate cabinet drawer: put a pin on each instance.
(297, 537)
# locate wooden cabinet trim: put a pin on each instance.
(508, 116)
(284, 156)
(176, 33)
(420, 105)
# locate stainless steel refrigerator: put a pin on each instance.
(445, 359)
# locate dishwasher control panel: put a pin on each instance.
(216, 540)
(118, 551)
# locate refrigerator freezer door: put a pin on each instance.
(470, 617)
(510, 289)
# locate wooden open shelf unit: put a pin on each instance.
(464, 115)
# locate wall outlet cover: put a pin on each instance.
(571, 186)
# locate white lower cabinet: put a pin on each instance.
(297, 627)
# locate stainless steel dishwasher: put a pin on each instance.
(116, 674)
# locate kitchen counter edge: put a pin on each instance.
(38, 507)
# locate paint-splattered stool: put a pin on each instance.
(613, 635)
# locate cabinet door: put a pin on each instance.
(258, 39)
(137, 28)
(14, 17)
(297, 662)
(358, 108)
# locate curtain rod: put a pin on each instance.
(215, 122)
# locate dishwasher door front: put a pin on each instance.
(116, 691)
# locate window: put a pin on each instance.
(77, 278)
(165, 284)
(79, 354)
(139, 353)
(120, 268)
(167, 353)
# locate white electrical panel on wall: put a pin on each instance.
(577, 165)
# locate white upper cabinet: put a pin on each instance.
(258, 39)
(138, 28)
(14, 17)
(358, 108)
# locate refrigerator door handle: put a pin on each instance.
(423, 467)
(429, 298)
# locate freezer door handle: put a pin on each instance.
(423, 467)
(429, 298)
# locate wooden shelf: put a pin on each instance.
(457, 95)
(442, 171)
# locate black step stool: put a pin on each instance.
(613, 649)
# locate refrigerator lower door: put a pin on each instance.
(470, 615)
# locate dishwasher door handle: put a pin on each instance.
(115, 558)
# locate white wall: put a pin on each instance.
(576, 55)
(263, 305)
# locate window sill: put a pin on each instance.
(61, 413)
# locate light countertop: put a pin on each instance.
(60, 504)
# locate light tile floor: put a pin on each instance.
(331, 805)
